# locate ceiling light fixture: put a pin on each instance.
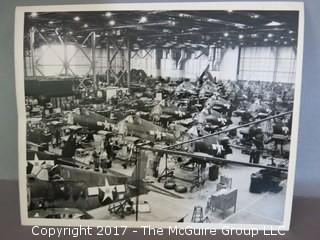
(50, 22)
(254, 35)
(143, 19)
(290, 31)
(273, 24)
(213, 20)
(270, 35)
(34, 14)
(241, 36)
(183, 15)
(108, 14)
(112, 22)
(76, 18)
(85, 25)
(255, 16)
(226, 34)
(240, 25)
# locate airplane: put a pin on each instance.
(212, 117)
(186, 88)
(61, 191)
(51, 185)
(172, 110)
(136, 126)
(217, 146)
(206, 75)
(208, 89)
(254, 111)
(214, 146)
(89, 119)
(218, 103)
(143, 104)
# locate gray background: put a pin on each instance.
(307, 182)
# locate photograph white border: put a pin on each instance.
(20, 92)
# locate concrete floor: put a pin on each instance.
(264, 208)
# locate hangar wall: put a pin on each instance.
(256, 63)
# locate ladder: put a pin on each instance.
(197, 216)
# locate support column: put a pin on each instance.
(158, 57)
(108, 62)
(93, 63)
(238, 64)
(276, 64)
(128, 63)
(65, 57)
(32, 62)
(181, 63)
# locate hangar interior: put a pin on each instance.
(167, 116)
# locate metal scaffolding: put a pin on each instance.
(65, 60)
(118, 61)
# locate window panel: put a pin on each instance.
(267, 64)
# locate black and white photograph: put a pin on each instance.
(180, 113)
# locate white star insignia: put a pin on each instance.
(158, 133)
(217, 147)
(222, 120)
(107, 190)
(38, 165)
(179, 113)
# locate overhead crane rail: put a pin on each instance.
(210, 158)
